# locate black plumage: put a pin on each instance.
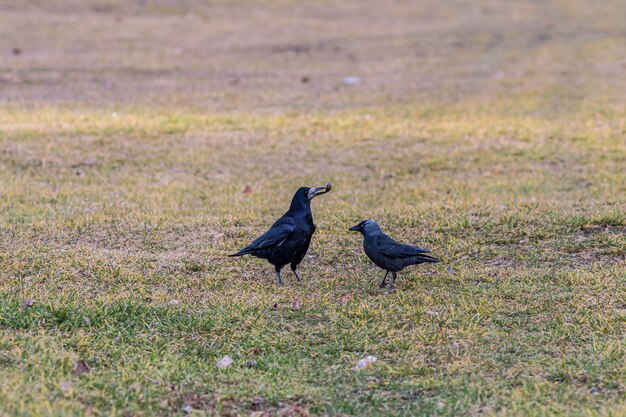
(287, 241)
(388, 254)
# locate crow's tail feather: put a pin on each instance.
(427, 258)
(244, 251)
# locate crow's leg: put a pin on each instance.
(393, 280)
(384, 281)
(293, 268)
(280, 281)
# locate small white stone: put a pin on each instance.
(224, 362)
(366, 362)
(351, 80)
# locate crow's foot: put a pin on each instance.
(297, 276)
(384, 281)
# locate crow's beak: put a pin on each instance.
(356, 228)
(314, 192)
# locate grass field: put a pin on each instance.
(492, 133)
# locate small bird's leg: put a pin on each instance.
(393, 280)
(382, 283)
(293, 268)
(280, 281)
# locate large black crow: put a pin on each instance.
(287, 241)
(387, 253)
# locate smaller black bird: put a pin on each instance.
(287, 241)
(388, 254)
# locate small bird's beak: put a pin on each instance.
(355, 228)
(314, 192)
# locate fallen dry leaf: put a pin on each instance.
(28, 302)
(81, 368)
(345, 298)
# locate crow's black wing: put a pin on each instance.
(275, 236)
(393, 249)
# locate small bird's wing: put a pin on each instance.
(390, 247)
(275, 236)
